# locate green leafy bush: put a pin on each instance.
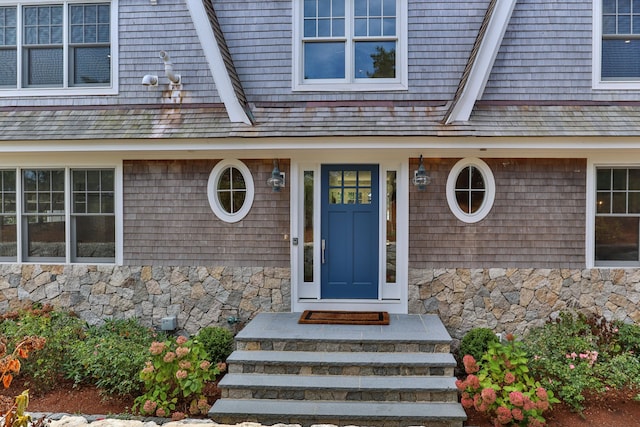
(629, 338)
(476, 342)
(217, 341)
(575, 355)
(174, 379)
(111, 357)
(61, 330)
(500, 386)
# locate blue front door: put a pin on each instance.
(349, 232)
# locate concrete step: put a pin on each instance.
(281, 332)
(340, 413)
(341, 363)
(338, 387)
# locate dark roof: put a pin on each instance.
(316, 120)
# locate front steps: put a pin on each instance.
(393, 376)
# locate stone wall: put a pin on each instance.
(197, 296)
(514, 300)
(505, 300)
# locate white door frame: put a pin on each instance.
(393, 297)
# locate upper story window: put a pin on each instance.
(57, 48)
(350, 45)
(617, 44)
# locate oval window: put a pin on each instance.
(230, 190)
(470, 190)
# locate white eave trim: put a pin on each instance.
(221, 78)
(483, 63)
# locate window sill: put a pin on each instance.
(76, 91)
(349, 87)
(616, 85)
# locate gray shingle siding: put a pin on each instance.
(168, 219)
(537, 219)
(145, 30)
(545, 55)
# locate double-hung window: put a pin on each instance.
(350, 45)
(57, 48)
(617, 43)
(57, 215)
(617, 222)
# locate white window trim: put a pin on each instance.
(212, 185)
(118, 211)
(402, 74)
(112, 89)
(596, 66)
(590, 234)
(490, 190)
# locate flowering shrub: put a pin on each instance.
(174, 379)
(500, 386)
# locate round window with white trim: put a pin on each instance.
(230, 190)
(471, 190)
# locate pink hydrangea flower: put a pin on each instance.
(542, 405)
(517, 414)
(473, 381)
(516, 398)
(181, 340)
(466, 402)
(182, 351)
(156, 348)
(181, 374)
(204, 365)
(489, 396)
(169, 357)
(149, 407)
(503, 415)
(509, 378)
(148, 368)
(470, 365)
(542, 393)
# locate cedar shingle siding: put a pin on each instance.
(168, 220)
(537, 220)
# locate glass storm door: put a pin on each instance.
(349, 232)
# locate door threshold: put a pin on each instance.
(391, 306)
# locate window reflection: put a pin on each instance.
(370, 49)
(308, 226)
(391, 227)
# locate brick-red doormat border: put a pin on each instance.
(320, 317)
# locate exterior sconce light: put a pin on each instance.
(420, 177)
(276, 182)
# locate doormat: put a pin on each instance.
(344, 317)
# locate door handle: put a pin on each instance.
(323, 245)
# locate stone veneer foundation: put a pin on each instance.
(505, 300)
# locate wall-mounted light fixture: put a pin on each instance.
(420, 177)
(276, 181)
